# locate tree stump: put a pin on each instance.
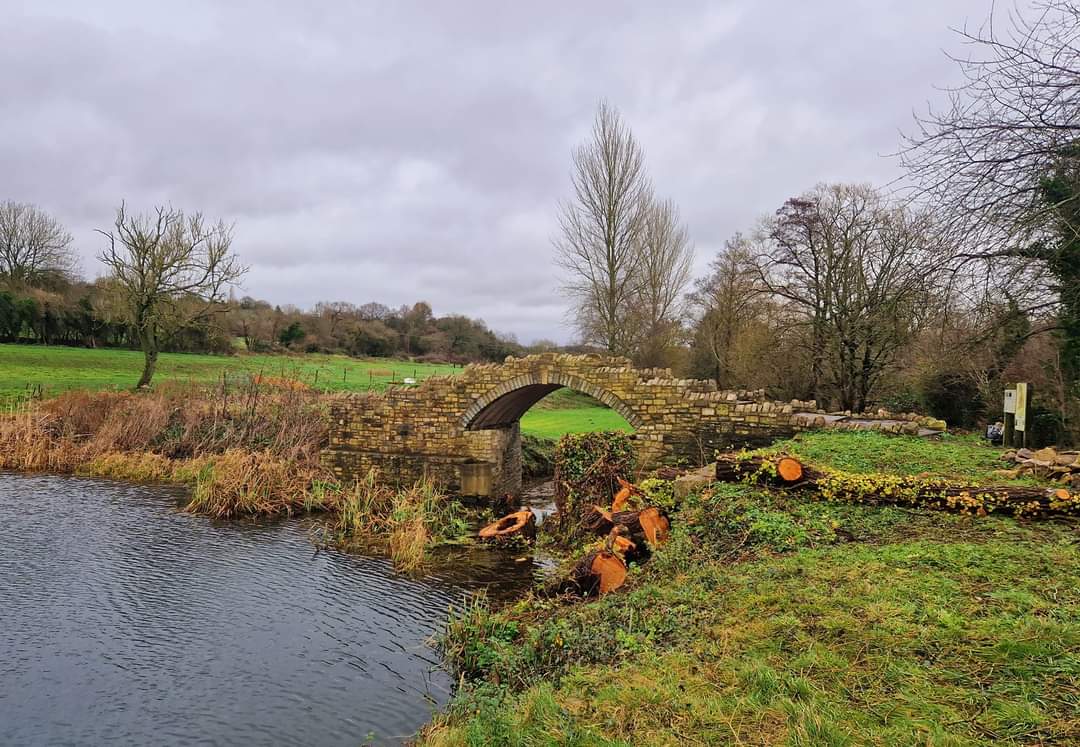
(599, 572)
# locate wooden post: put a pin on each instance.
(1023, 394)
(1009, 434)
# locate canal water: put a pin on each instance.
(126, 621)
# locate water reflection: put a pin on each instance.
(128, 622)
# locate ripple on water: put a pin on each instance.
(128, 622)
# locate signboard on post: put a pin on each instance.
(1021, 407)
(1010, 401)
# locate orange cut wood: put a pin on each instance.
(619, 502)
(789, 470)
(518, 523)
(654, 526)
(622, 545)
(610, 570)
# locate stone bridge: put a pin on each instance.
(463, 431)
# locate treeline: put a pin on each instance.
(42, 300)
(75, 312)
(370, 330)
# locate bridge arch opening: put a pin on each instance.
(507, 403)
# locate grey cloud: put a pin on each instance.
(404, 151)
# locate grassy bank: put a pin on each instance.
(770, 619)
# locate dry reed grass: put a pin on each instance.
(250, 450)
(247, 449)
(242, 483)
(407, 521)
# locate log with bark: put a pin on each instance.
(599, 572)
(518, 524)
(772, 470)
(648, 524)
(897, 490)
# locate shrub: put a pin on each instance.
(661, 493)
(587, 468)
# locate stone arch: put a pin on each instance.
(506, 403)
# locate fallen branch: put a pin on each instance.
(879, 488)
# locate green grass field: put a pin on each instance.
(51, 370)
(56, 369)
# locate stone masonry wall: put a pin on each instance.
(431, 429)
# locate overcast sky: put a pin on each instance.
(400, 151)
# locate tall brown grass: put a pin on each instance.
(407, 521)
(246, 449)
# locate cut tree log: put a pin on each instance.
(599, 572)
(902, 490)
(648, 524)
(789, 470)
(618, 503)
(597, 520)
(773, 470)
(517, 524)
(626, 490)
(654, 525)
(623, 546)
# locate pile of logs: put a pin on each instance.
(1063, 466)
(789, 473)
(629, 535)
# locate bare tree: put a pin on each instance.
(857, 269)
(171, 270)
(34, 247)
(987, 153)
(664, 266)
(1002, 160)
(728, 301)
(600, 232)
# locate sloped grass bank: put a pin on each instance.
(769, 619)
(961, 458)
